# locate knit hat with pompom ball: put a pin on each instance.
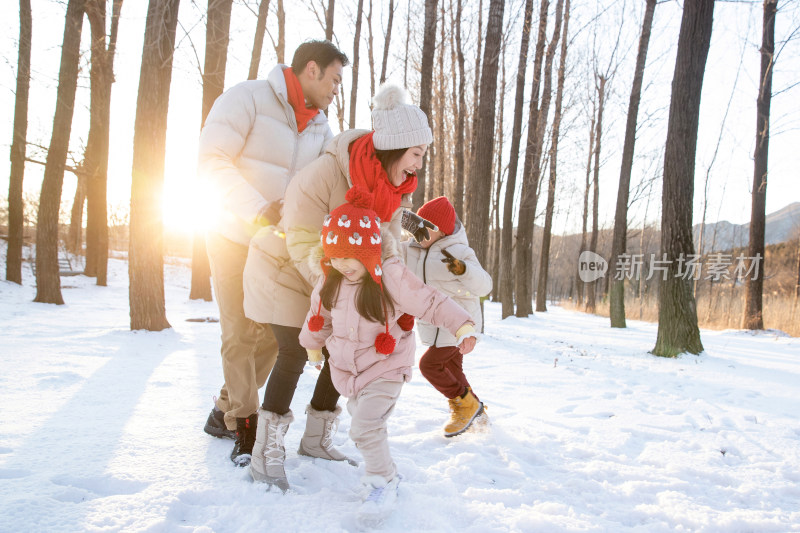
(354, 230)
(396, 123)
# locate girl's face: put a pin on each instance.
(407, 165)
(349, 267)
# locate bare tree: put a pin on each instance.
(531, 169)
(258, 40)
(218, 24)
(480, 176)
(754, 284)
(461, 112)
(544, 257)
(329, 20)
(16, 206)
(619, 245)
(600, 86)
(677, 309)
(74, 241)
(370, 54)
(587, 188)
(506, 268)
(354, 88)
(48, 282)
(386, 41)
(280, 47)
(426, 86)
(95, 163)
(145, 256)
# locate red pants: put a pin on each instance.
(442, 367)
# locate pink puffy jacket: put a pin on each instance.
(350, 338)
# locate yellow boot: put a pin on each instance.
(462, 413)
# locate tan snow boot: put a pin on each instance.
(462, 412)
(317, 440)
(269, 453)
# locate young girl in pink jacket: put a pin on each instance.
(354, 313)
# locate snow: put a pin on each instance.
(101, 429)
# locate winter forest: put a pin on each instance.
(626, 171)
(556, 133)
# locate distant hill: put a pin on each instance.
(781, 226)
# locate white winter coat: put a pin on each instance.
(250, 149)
(466, 289)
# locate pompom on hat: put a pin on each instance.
(354, 230)
(396, 123)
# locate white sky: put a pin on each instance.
(736, 31)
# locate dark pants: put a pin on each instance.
(288, 367)
(442, 367)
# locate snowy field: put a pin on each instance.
(101, 429)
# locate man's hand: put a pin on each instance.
(453, 265)
(417, 226)
(270, 214)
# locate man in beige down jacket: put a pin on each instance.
(257, 135)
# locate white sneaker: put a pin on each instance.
(379, 501)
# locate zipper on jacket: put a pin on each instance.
(425, 281)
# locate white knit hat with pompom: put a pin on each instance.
(397, 124)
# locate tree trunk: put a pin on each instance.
(531, 172)
(280, 48)
(145, 256)
(218, 24)
(370, 55)
(386, 41)
(591, 287)
(16, 223)
(480, 176)
(74, 242)
(354, 85)
(258, 40)
(544, 257)
(329, 20)
(677, 310)
(754, 284)
(426, 87)
(507, 239)
(498, 184)
(48, 282)
(475, 87)
(101, 78)
(442, 153)
(585, 218)
(619, 244)
(458, 194)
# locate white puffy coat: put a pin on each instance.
(250, 149)
(466, 289)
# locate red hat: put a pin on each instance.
(441, 212)
(354, 230)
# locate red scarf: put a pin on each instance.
(366, 170)
(302, 114)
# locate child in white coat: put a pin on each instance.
(447, 262)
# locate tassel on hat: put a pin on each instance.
(354, 230)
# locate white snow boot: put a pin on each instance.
(317, 440)
(269, 453)
(379, 501)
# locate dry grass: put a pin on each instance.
(725, 311)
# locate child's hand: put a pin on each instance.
(467, 345)
(453, 265)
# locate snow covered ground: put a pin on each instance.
(101, 429)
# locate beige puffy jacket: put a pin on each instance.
(250, 149)
(283, 261)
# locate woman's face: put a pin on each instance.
(407, 165)
(349, 267)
